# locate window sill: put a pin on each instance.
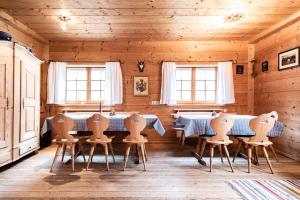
(198, 104)
(82, 104)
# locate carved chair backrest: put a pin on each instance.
(135, 124)
(261, 125)
(221, 126)
(98, 124)
(61, 125)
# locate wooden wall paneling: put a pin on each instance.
(6, 100)
(153, 52)
(22, 34)
(251, 56)
(279, 90)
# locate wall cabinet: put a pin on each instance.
(20, 102)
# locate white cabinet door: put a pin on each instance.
(30, 100)
(6, 91)
(27, 102)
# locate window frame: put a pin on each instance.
(88, 68)
(193, 80)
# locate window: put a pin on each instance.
(97, 84)
(196, 84)
(184, 84)
(85, 84)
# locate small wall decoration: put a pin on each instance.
(265, 66)
(253, 74)
(140, 86)
(239, 69)
(141, 65)
(288, 59)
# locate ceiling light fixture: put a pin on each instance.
(64, 19)
(233, 18)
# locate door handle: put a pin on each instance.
(7, 103)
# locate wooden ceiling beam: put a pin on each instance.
(293, 18)
(146, 12)
(21, 27)
(138, 4)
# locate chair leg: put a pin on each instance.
(143, 156)
(64, 151)
(183, 138)
(137, 153)
(126, 155)
(73, 157)
(55, 157)
(180, 138)
(91, 156)
(249, 149)
(256, 154)
(112, 151)
(202, 148)
(106, 155)
(228, 157)
(221, 153)
(267, 158)
(211, 156)
(237, 150)
(145, 152)
(199, 144)
(81, 150)
(274, 152)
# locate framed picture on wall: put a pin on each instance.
(141, 86)
(239, 69)
(265, 66)
(288, 59)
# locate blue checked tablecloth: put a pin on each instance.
(116, 122)
(200, 125)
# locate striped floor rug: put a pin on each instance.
(267, 189)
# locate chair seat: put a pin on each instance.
(218, 142)
(263, 143)
(133, 141)
(267, 143)
(99, 141)
(65, 141)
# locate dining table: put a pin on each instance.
(116, 124)
(200, 125)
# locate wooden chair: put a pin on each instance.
(62, 126)
(135, 124)
(274, 114)
(179, 132)
(261, 125)
(98, 124)
(221, 125)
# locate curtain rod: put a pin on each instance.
(203, 61)
(85, 61)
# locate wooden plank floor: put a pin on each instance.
(171, 174)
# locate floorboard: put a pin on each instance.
(172, 173)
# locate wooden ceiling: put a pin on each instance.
(148, 20)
